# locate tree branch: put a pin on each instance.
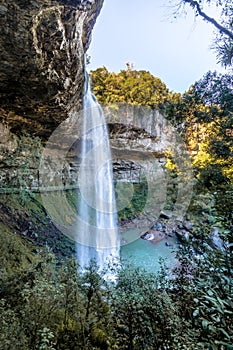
(217, 25)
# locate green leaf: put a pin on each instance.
(224, 332)
(229, 346)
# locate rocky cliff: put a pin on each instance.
(42, 48)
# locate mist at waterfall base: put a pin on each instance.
(97, 231)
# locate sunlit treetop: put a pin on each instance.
(129, 86)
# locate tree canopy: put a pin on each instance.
(129, 86)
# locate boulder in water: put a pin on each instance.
(154, 236)
(149, 237)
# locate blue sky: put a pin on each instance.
(145, 33)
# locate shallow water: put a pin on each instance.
(142, 253)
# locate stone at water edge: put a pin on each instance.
(158, 226)
(154, 236)
(182, 235)
(188, 225)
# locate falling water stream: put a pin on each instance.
(97, 232)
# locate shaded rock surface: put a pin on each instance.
(42, 48)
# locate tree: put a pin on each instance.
(216, 89)
(224, 38)
(215, 93)
(143, 311)
(129, 86)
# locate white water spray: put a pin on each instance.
(97, 232)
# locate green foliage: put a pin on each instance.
(16, 254)
(215, 90)
(46, 340)
(137, 203)
(54, 306)
(209, 123)
(224, 208)
(23, 158)
(203, 288)
(143, 312)
(213, 297)
(206, 109)
(129, 86)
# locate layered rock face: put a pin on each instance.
(139, 139)
(42, 48)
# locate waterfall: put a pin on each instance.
(97, 232)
